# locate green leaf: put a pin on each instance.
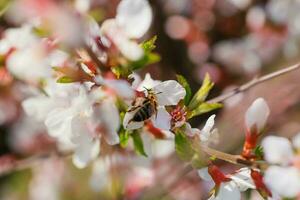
(204, 108)
(41, 32)
(187, 88)
(4, 6)
(183, 146)
(202, 93)
(65, 79)
(124, 138)
(147, 59)
(259, 151)
(138, 143)
(149, 45)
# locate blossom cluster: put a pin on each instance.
(80, 85)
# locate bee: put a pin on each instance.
(145, 107)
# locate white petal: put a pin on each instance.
(100, 174)
(191, 131)
(277, 150)
(147, 83)
(257, 114)
(38, 107)
(130, 49)
(283, 180)
(86, 151)
(206, 132)
(162, 120)
(132, 125)
(109, 116)
(296, 141)
(203, 173)
(82, 5)
(20, 37)
(59, 124)
(243, 179)
(87, 147)
(57, 58)
(134, 16)
(32, 69)
(134, 76)
(228, 191)
(121, 87)
(169, 93)
(162, 148)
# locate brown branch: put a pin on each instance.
(254, 82)
(234, 159)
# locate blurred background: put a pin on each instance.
(233, 40)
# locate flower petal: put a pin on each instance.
(86, 151)
(203, 173)
(278, 150)
(162, 120)
(162, 148)
(257, 114)
(169, 93)
(109, 115)
(130, 49)
(58, 123)
(134, 17)
(121, 87)
(243, 180)
(296, 141)
(191, 131)
(38, 107)
(132, 125)
(283, 180)
(147, 83)
(100, 174)
(206, 132)
(87, 147)
(228, 191)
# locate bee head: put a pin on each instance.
(150, 92)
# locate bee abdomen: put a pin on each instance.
(143, 113)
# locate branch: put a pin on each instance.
(254, 82)
(234, 159)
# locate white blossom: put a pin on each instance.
(72, 118)
(257, 114)
(207, 133)
(283, 176)
(166, 93)
(277, 150)
(284, 181)
(230, 190)
(134, 17)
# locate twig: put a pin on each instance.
(234, 159)
(254, 82)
